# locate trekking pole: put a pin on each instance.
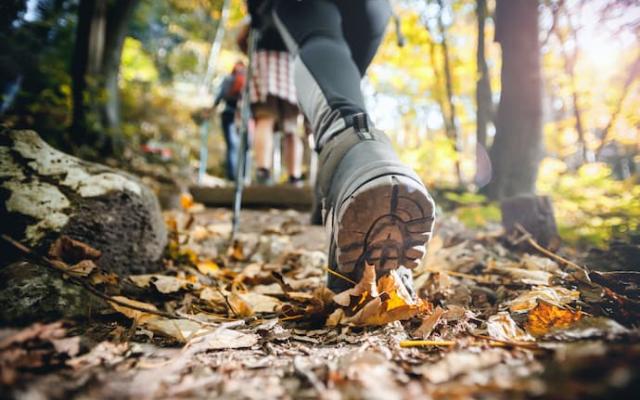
(204, 149)
(243, 149)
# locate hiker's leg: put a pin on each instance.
(293, 156)
(327, 78)
(231, 140)
(293, 147)
(263, 142)
(363, 25)
(376, 209)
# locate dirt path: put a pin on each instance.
(506, 325)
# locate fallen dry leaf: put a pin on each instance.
(371, 304)
(502, 327)
(517, 273)
(72, 251)
(208, 267)
(102, 278)
(546, 317)
(105, 353)
(260, 303)
(556, 295)
(165, 284)
(139, 316)
(429, 323)
(239, 307)
(186, 201)
(180, 329)
(236, 251)
(365, 288)
(227, 339)
(32, 348)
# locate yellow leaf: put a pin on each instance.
(186, 201)
(379, 304)
(236, 251)
(207, 267)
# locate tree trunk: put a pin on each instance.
(100, 35)
(484, 100)
(535, 215)
(45, 193)
(118, 19)
(79, 68)
(516, 150)
(450, 120)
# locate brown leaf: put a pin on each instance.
(34, 347)
(429, 323)
(108, 278)
(72, 251)
(139, 316)
(82, 269)
(366, 288)
(239, 306)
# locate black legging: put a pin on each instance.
(333, 42)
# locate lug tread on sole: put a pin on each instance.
(387, 222)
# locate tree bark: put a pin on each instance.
(484, 102)
(516, 150)
(535, 215)
(100, 34)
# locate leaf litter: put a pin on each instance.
(254, 319)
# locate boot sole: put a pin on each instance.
(386, 222)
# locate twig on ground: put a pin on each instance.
(529, 239)
(426, 343)
(500, 343)
(226, 300)
(339, 275)
(479, 278)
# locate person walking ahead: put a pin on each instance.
(375, 209)
(230, 91)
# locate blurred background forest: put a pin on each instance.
(112, 79)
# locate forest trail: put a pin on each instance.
(251, 323)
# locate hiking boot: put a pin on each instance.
(263, 176)
(376, 209)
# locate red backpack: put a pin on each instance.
(235, 89)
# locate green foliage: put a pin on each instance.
(136, 64)
(591, 206)
(39, 53)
